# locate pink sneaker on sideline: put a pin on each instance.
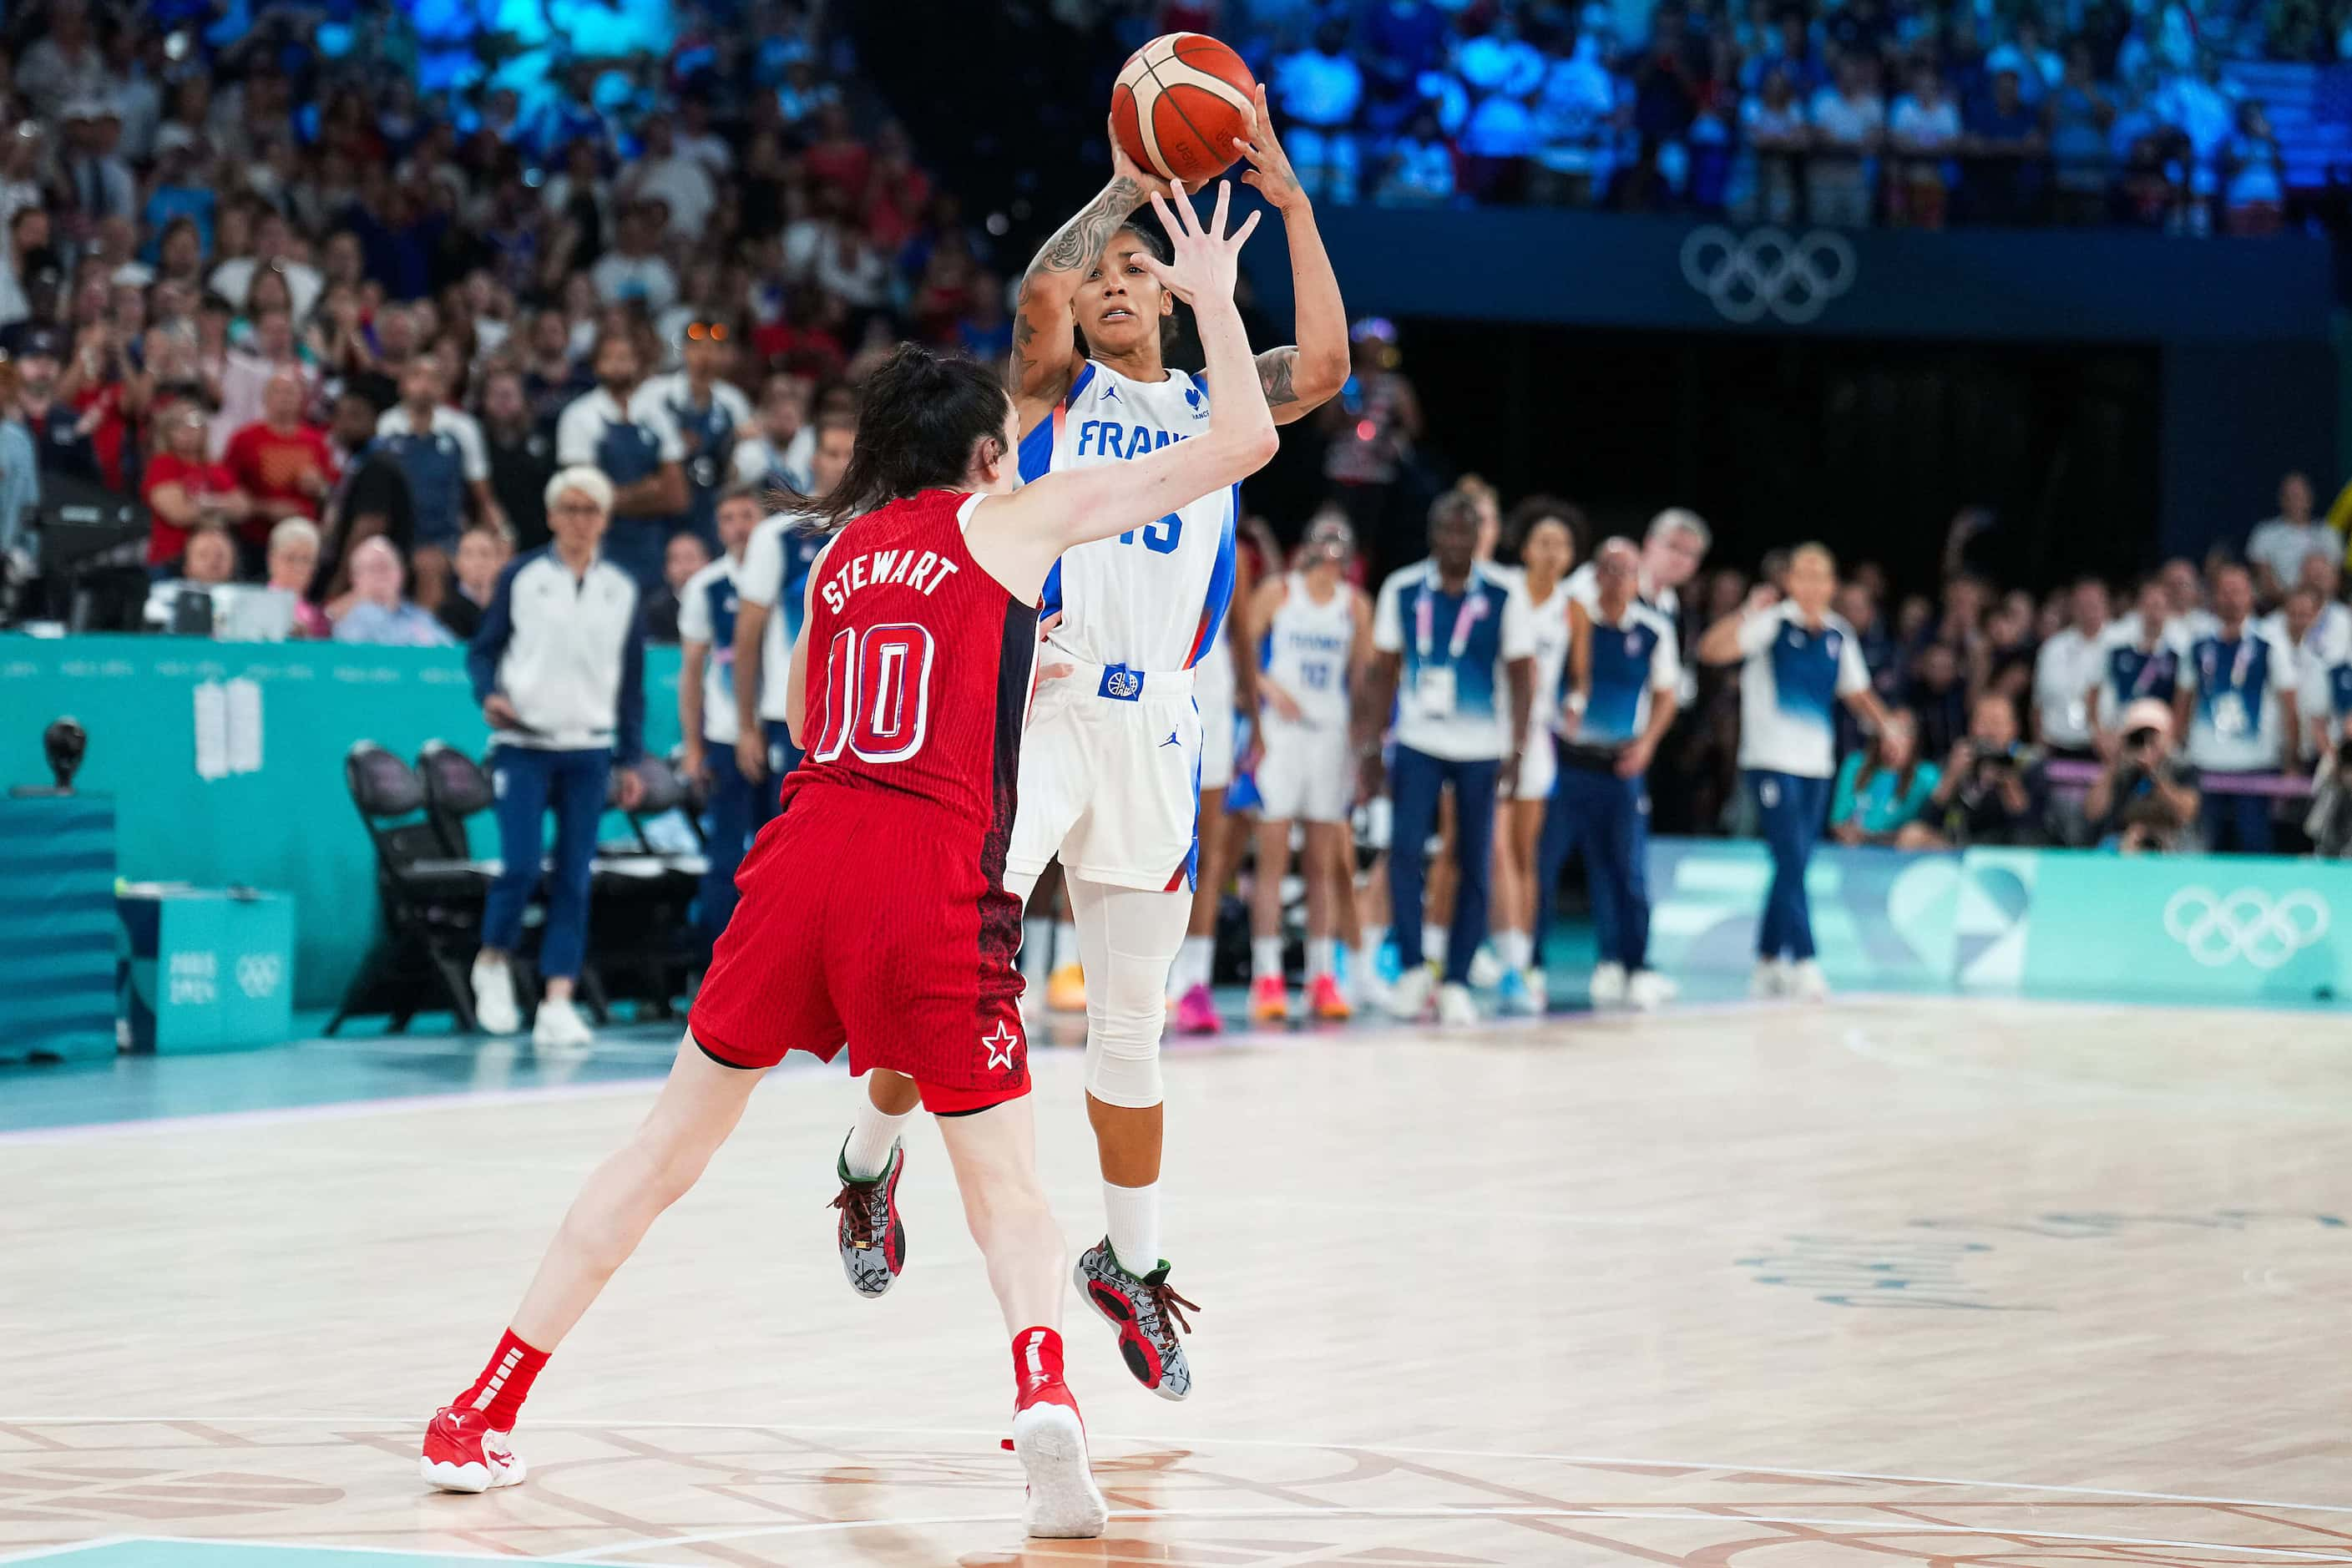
(1196, 1013)
(1326, 1002)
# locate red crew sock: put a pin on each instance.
(1036, 1362)
(506, 1381)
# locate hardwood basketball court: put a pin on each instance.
(1899, 1280)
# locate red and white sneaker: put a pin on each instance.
(462, 1455)
(1051, 1440)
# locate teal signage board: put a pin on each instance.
(209, 971)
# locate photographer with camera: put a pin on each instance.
(1993, 790)
(2146, 800)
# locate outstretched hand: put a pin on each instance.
(1270, 171)
(1208, 260)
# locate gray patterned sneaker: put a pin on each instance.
(1148, 1316)
(873, 1237)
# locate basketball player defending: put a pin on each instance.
(1111, 772)
(874, 910)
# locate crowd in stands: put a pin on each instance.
(1830, 111)
(289, 305)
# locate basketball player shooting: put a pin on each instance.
(1111, 770)
(875, 911)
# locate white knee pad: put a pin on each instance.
(1123, 1036)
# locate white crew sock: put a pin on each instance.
(1359, 968)
(1196, 962)
(1375, 938)
(867, 1153)
(1066, 944)
(1265, 957)
(1433, 943)
(1134, 1215)
(1320, 951)
(1513, 948)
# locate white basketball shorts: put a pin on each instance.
(1110, 783)
(1305, 773)
(1539, 770)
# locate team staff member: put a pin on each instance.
(769, 605)
(710, 416)
(2235, 700)
(1625, 674)
(707, 716)
(439, 450)
(1797, 659)
(622, 429)
(559, 668)
(1457, 638)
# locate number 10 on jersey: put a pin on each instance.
(878, 693)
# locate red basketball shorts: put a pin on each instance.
(865, 919)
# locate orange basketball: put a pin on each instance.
(1180, 100)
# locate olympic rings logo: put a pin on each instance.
(2244, 925)
(1768, 270)
(258, 973)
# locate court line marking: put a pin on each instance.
(37, 1553)
(1440, 1512)
(394, 1551)
(992, 1434)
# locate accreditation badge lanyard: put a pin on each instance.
(1433, 684)
(2230, 715)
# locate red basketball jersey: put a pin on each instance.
(918, 669)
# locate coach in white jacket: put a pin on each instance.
(559, 668)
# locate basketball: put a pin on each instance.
(1180, 100)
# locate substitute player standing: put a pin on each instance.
(770, 589)
(1314, 631)
(875, 911)
(1111, 774)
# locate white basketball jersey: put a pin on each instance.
(1305, 651)
(1550, 619)
(1151, 598)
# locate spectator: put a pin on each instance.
(1576, 114)
(559, 670)
(274, 250)
(1925, 129)
(20, 482)
(1773, 129)
(2005, 135)
(2275, 549)
(482, 554)
(378, 613)
(623, 430)
(209, 560)
(680, 183)
(710, 414)
(439, 451)
(2235, 700)
(2077, 116)
(2146, 799)
(521, 456)
(551, 376)
(100, 181)
(184, 489)
(2066, 674)
(60, 433)
(1420, 169)
(293, 566)
(281, 461)
(1849, 123)
(370, 495)
(1882, 791)
(1319, 90)
(1993, 790)
(64, 64)
(633, 269)
(685, 555)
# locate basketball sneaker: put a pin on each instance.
(494, 998)
(1148, 1316)
(873, 1238)
(1455, 1006)
(1269, 1000)
(1050, 1439)
(1486, 969)
(560, 1026)
(1326, 1000)
(1196, 1013)
(1770, 978)
(1647, 991)
(1065, 989)
(1608, 983)
(1409, 997)
(1513, 996)
(462, 1455)
(1807, 983)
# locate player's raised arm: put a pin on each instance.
(1018, 537)
(1046, 356)
(1300, 377)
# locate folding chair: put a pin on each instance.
(430, 901)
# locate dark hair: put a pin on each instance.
(1523, 518)
(1454, 505)
(1874, 756)
(919, 420)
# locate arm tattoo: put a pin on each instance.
(1077, 242)
(1275, 369)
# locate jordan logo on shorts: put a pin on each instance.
(1171, 739)
(1121, 684)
